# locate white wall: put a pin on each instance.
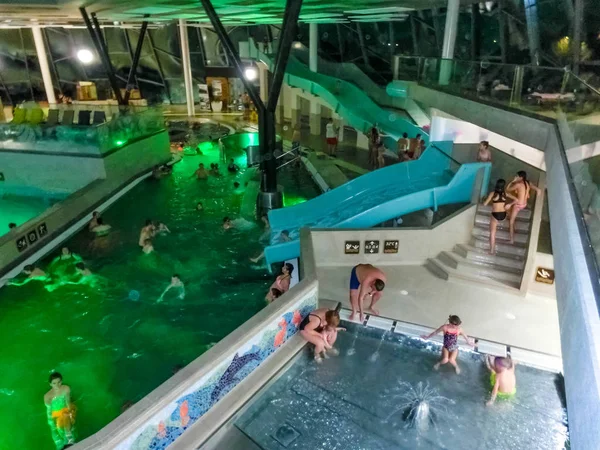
(446, 128)
(415, 245)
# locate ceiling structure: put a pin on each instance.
(24, 13)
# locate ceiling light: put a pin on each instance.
(85, 56)
(250, 73)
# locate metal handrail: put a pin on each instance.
(585, 83)
(285, 153)
(287, 162)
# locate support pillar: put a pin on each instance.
(313, 46)
(187, 68)
(533, 31)
(263, 74)
(449, 41)
(503, 32)
(315, 117)
(475, 32)
(577, 33)
(40, 48)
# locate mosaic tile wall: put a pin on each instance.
(170, 423)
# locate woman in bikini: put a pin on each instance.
(522, 188)
(282, 282)
(452, 331)
(311, 329)
(498, 198)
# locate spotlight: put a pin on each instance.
(85, 56)
(250, 73)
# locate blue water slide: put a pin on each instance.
(434, 179)
(349, 101)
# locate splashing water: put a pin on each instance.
(375, 356)
(351, 351)
(420, 406)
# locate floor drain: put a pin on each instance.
(285, 435)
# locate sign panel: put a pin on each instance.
(390, 247)
(543, 275)
(371, 247)
(352, 247)
(21, 243)
(42, 230)
(32, 236)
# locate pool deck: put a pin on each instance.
(529, 322)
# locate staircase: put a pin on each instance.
(472, 262)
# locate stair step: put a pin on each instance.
(482, 256)
(440, 269)
(501, 236)
(462, 264)
(502, 249)
(483, 220)
(523, 214)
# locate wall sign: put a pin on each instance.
(371, 247)
(32, 236)
(21, 243)
(390, 247)
(543, 275)
(42, 230)
(352, 247)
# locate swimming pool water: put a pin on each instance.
(351, 401)
(17, 209)
(109, 348)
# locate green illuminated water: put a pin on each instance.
(19, 210)
(111, 349)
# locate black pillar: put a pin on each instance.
(269, 197)
(98, 42)
(502, 25)
(136, 60)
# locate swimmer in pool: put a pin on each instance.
(227, 224)
(502, 378)
(200, 173)
(284, 236)
(147, 248)
(147, 232)
(101, 229)
(34, 272)
(199, 207)
(232, 167)
(161, 228)
(60, 412)
(94, 222)
(82, 269)
(175, 283)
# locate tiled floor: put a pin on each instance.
(415, 295)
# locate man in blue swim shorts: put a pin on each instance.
(365, 280)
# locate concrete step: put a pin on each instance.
(501, 236)
(483, 221)
(502, 248)
(524, 214)
(482, 256)
(442, 270)
(462, 264)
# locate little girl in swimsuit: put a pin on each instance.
(452, 331)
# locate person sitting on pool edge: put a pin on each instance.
(502, 378)
(34, 272)
(313, 325)
(94, 222)
(232, 167)
(365, 280)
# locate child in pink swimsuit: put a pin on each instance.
(452, 330)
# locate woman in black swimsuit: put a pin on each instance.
(498, 199)
(312, 327)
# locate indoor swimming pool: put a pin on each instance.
(18, 209)
(367, 398)
(108, 334)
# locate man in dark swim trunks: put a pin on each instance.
(365, 280)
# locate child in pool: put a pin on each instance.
(502, 378)
(148, 247)
(452, 331)
(329, 334)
